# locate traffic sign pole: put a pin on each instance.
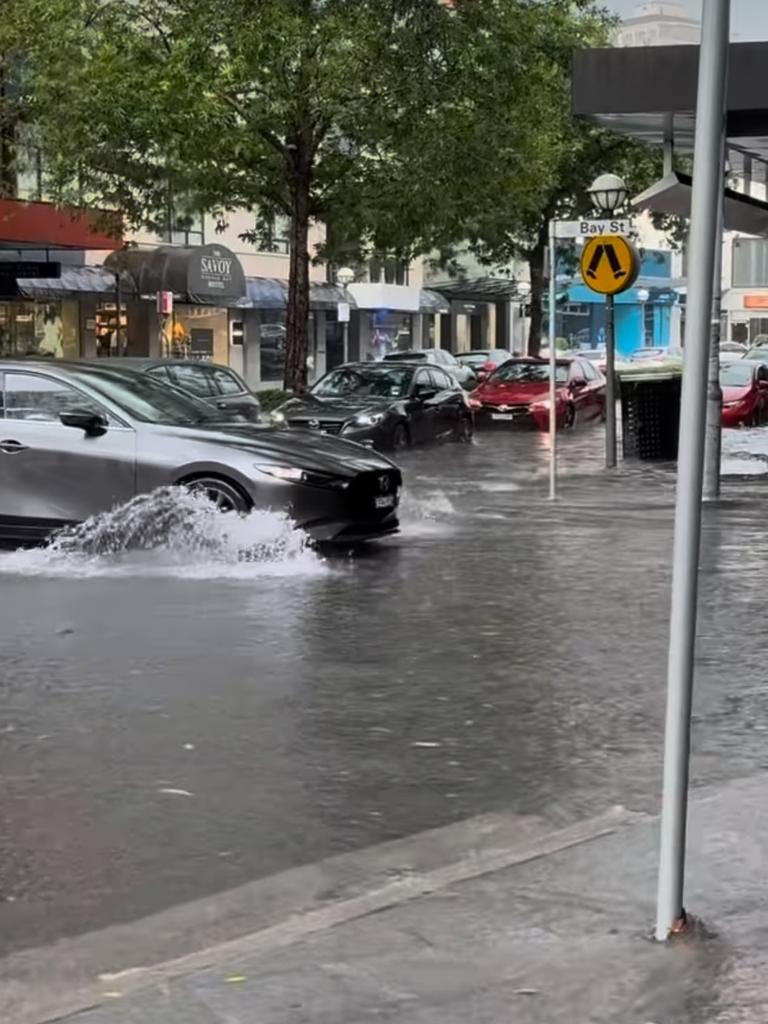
(610, 265)
(552, 361)
(610, 382)
(707, 182)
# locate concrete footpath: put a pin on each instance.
(493, 921)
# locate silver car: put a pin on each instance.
(78, 438)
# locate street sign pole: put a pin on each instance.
(610, 382)
(552, 361)
(713, 445)
(610, 265)
(707, 179)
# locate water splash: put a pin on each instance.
(429, 514)
(171, 532)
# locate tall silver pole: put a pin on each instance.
(707, 171)
(552, 362)
(714, 435)
(610, 383)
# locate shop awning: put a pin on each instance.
(479, 289)
(74, 281)
(207, 275)
(433, 302)
(272, 293)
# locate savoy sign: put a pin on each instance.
(215, 272)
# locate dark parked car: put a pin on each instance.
(483, 361)
(219, 386)
(389, 405)
(465, 375)
(78, 438)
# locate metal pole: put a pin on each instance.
(346, 325)
(118, 304)
(707, 172)
(552, 363)
(713, 443)
(610, 384)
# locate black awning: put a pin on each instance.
(209, 275)
(479, 289)
(74, 282)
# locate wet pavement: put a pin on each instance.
(171, 727)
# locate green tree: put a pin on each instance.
(404, 125)
(508, 222)
(290, 106)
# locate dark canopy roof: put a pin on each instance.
(206, 274)
(649, 93)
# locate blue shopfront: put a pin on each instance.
(648, 315)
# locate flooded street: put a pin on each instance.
(175, 723)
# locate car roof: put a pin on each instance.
(372, 364)
(562, 360)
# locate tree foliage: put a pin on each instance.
(404, 125)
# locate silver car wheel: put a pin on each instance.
(224, 495)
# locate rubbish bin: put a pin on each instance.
(650, 413)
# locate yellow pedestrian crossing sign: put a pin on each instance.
(609, 264)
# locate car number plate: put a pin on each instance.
(385, 501)
(502, 415)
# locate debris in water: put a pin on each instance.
(189, 746)
(176, 792)
(425, 743)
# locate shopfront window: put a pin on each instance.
(31, 329)
(272, 345)
(107, 339)
(750, 262)
(197, 332)
(389, 332)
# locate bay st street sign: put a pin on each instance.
(592, 228)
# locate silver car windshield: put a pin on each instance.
(148, 400)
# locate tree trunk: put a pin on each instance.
(297, 313)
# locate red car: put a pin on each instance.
(745, 393)
(519, 392)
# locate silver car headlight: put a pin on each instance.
(291, 474)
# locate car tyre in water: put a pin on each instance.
(464, 430)
(400, 437)
(569, 421)
(227, 497)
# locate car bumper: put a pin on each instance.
(736, 417)
(489, 416)
(363, 510)
(373, 437)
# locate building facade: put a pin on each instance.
(658, 23)
(70, 289)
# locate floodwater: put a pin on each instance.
(223, 703)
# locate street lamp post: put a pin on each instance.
(642, 297)
(608, 192)
(523, 291)
(345, 276)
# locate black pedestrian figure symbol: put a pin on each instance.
(605, 249)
